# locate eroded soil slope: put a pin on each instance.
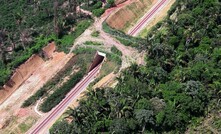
(41, 70)
(125, 17)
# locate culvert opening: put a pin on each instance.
(98, 59)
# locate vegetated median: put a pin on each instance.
(56, 97)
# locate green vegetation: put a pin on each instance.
(50, 85)
(127, 42)
(27, 26)
(180, 84)
(95, 34)
(59, 94)
(92, 43)
(23, 127)
(95, 6)
(67, 41)
(125, 39)
(116, 51)
(98, 12)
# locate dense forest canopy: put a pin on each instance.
(180, 82)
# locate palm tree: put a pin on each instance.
(144, 118)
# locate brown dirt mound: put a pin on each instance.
(128, 14)
(24, 71)
(49, 50)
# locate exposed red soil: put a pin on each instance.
(49, 50)
(30, 77)
(22, 112)
(22, 73)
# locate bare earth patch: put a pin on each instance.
(126, 17)
(11, 115)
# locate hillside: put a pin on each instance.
(177, 88)
(126, 16)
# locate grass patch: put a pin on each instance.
(216, 123)
(93, 43)
(23, 127)
(116, 51)
(143, 33)
(95, 34)
(127, 42)
(125, 39)
(67, 40)
(26, 125)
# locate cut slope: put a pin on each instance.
(126, 16)
(26, 70)
(21, 74)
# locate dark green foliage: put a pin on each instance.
(95, 6)
(95, 34)
(110, 3)
(180, 82)
(4, 73)
(116, 51)
(92, 5)
(67, 41)
(98, 12)
(57, 96)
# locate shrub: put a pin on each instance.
(95, 34)
(97, 5)
(116, 51)
(110, 3)
(67, 41)
(98, 12)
